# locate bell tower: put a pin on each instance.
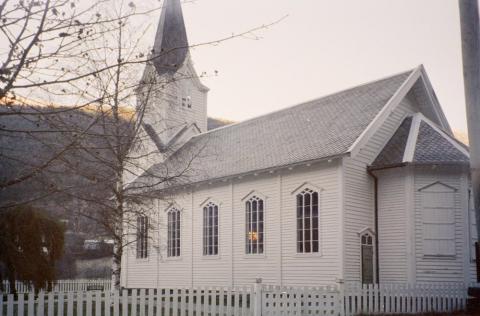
(171, 95)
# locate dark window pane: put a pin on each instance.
(299, 247)
(307, 200)
(315, 246)
(315, 234)
(315, 198)
(299, 206)
(260, 237)
(299, 235)
(299, 224)
(307, 235)
(307, 247)
(315, 211)
(307, 223)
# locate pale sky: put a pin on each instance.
(322, 47)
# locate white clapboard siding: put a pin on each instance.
(359, 190)
(392, 223)
(279, 264)
(448, 266)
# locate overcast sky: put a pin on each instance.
(322, 47)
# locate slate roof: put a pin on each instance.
(431, 147)
(321, 128)
(170, 48)
(392, 153)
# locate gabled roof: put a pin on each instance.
(419, 141)
(170, 48)
(322, 129)
(315, 130)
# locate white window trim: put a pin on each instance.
(309, 186)
(262, 254)
(203, 205)
(369, 232)
(170, 209)
(451, 190)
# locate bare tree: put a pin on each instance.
(118, 148)
(45, 56)
(99, 141)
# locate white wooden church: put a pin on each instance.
(367, 185)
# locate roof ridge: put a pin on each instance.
(307, 102)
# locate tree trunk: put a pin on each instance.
(117, 264)
(2, 288)
(11, 279)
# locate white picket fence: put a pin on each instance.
(404, 298)
(64, 285)
(161, 302)
(255, 300)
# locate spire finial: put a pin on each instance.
(171, 44)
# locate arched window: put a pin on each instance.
(254, 225)
(307, 221)
(210, 229)
(367, 258)
(173, 242)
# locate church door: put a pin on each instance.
(367, 258)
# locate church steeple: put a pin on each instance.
(172, 96)
(170, 48)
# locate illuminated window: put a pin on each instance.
(210, 229)
(307, 222)
(255, 235)
(173, 233)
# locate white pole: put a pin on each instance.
(470, 28)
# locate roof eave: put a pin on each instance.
(420, 164)
(257, 172)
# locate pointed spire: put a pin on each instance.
(171, 44)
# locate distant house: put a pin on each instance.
(367, 184)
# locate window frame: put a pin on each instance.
(302, 241)
(249, 226)
(174, 247)
(432, 222)
(210, 238)
(368, 233)
(142, 237)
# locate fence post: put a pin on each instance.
(341, 300)
(257, 297)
